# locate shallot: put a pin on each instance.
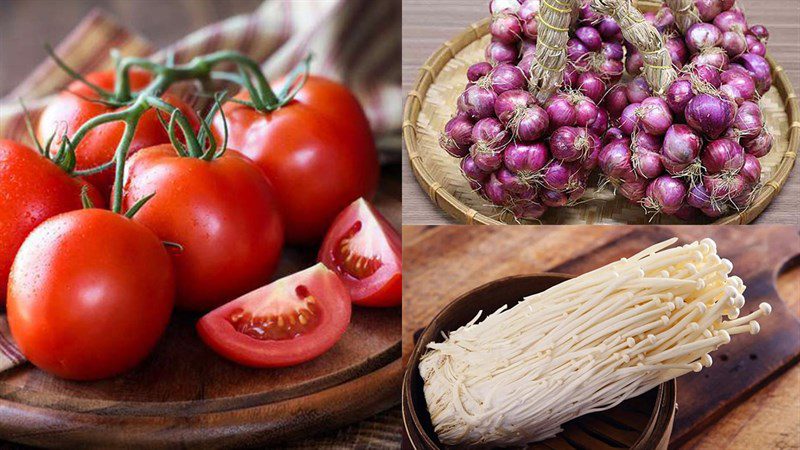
(477, 102)
(511, 104)
(665, 195)
(722, 156)
(709, 114)
(530, 124)
(526, 159)
(457, 136)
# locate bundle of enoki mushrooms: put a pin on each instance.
(584, 345)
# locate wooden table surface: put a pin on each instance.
(441, 263)
(427, 24)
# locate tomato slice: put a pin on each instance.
(365, 251)
(287, 322)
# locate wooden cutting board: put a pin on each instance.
(185, 395)
(740, 368)
(748, 362)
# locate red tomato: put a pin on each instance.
(32, 189)
(89, 295)
(365, 251)
(287, 322)
(318, 151)
(224, 214)
(76, 105)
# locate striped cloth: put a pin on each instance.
(353, 41)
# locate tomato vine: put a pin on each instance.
(133, 105)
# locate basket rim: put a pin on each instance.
(430, 70)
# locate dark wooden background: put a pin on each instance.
(427, 24)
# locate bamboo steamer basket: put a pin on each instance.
(640, 423)
(432, 102)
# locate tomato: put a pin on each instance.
(365, 251)
(224, 214)
(76, 105)
(89, 295)
(287, 322)
(317, 150)
(32, 189)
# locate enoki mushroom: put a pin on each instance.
(584, 345)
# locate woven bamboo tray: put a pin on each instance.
(432, 101)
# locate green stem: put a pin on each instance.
(120, 155)
(60, 63)
(138, 205)
(96, 121)
(200, 67)
(183, 123)
(86, 202)
(93, 170)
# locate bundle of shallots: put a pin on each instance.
(519, 153)
(681, 137)
(694, 148)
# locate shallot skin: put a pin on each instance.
(751, 169)
(562, 143)
(678, 95)
(498, 52)
(701, 36)
(665, 194)
(511, 103)
(561, 111)
(681, 147)
(709, 114)
(457, 136)
(478, 71)
(748, 121)
(634, 190)
(647, 164)
(655, 116)
(528, 210)
(494, 191)
(739, 83)
(615, 160)
(760, 145)
(507, 77)
(530, 124)
(759, 69)
(506, 28)
(524, 158)
(615, 101)
(472, 171)
(477, 102)
(722, 156)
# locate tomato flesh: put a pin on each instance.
(290, 321)
(355, 258)
(364, 250)
(283, 318)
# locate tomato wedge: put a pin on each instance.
(365, 251)
(287, 322)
